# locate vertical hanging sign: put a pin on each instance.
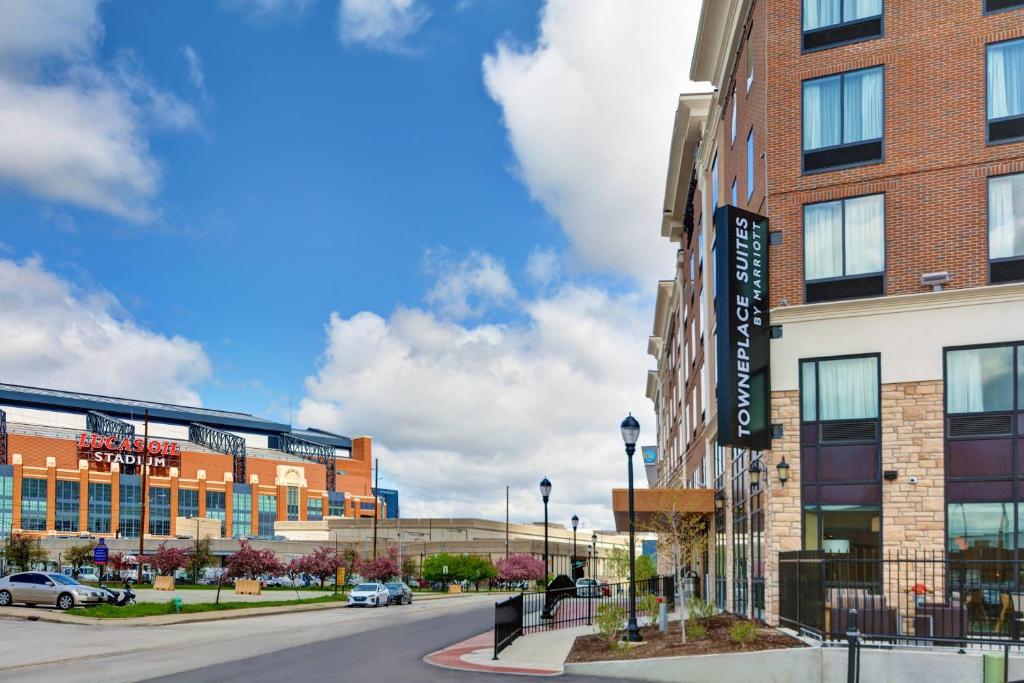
(743, 354)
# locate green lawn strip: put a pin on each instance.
(149, 609)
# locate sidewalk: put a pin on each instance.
(535, 654)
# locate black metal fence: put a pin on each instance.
(905, 597)
(559, 608)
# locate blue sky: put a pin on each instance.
(434, 222)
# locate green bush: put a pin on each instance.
(609, 622)
(694, 631)
(744, 632)
(647, 604)
(701, 610)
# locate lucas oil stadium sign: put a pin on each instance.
(123, 451)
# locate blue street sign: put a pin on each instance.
(99, 553)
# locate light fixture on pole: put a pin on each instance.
(630, 429)
(783, 469)
(720, 500)
(755, 473)
(545, 493)
(593, 544)
(575, 523)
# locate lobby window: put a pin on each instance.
(293, 504)
(844, 248)
(267, 515)
(241, 511)
(314, 508)
(839, 389)
(842, 120)
(215, 508)
(1006, 227)
(66, 514)
(828, 23)
(33, 504)
(1005, 66)
(6, 500)
(130, 505)
(740, 529)
(99, 507)
(188, 502)
(1002, 5)
(750, 163)
(159, 511)
(982, 535)
(981, 380)
(714, 184)
(854, 530)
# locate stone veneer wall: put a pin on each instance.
(782, 525)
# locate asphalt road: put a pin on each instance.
(392, 654)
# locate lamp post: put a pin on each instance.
(545, 493)
(575, 523)
(630, 429)
(593, 559)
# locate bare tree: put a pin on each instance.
(685, 536)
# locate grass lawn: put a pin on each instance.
(148, 609)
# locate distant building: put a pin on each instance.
(390, 499)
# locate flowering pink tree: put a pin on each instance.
(249, 562)
(381, 569)
(321, 563)
(521, 568)
(166, 561)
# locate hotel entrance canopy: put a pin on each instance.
(648, 504)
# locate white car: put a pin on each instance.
(369, 595)
(587, 588)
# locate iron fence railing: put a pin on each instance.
(905, 597)
(508, 622)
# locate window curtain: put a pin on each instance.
(1006, 216)
(734, 115)
(861, 9)
(823, 240)
(848, 388)
(822, 112)
(750, 163)
(714, 184)
(809, 392)
(1006, 79)
(979, 380)
(865, 235)
(862, 105)
(818, 13)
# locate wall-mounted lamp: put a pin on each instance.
(783, 468)
(755, 474)
(719, 500)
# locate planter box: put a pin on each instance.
(791, 665)
(163, 583)
(248, 587)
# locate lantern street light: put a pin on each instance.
(783, 468)
(755, 473)
(720, 500)
(575, 523)
(630, 429)
(545, 493)
(593, 544)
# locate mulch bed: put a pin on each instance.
(657, 644)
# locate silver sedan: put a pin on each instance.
(47, 588)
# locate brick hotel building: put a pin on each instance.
(884, 142)
(70, 465)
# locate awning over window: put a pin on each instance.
(648, 504)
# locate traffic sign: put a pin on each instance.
(99, 553)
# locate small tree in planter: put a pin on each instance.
(685, 536)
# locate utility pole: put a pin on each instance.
(376, 502)
(142, 496)
(506, 522)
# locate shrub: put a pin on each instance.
(701, 610)
(694, 631)
(744, 632)
(647, 604)
(609, 621)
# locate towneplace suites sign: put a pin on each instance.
(113, 449)
(741, 303)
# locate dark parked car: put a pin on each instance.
(400, 593)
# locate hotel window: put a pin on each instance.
(1006, 227)
(842, 120)
(66, 514)
(740, 537)
(267, 516)
(714, 184)
(1005, 66)
(33, 504)
(828, 23)
(188, 503)
(159, 511)
(733, 194)
(6, 500)
(981, 380)
(241, 511)
(130, 505)
(700, 245)
(733, 131)
(844, 248)
(99, 508)
(215, 508)
(854, 530)
(314, 509)
(839, 389)
(750, 164)
(750, 64)
(293, 504)
(1001, 5)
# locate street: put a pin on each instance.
(387, 644)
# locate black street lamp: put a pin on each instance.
(630, 433)
(593, 544)
(545, 493)
(755, 474)
(575, 523)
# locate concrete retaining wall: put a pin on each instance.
(767, 666)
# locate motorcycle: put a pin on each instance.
(118, 598)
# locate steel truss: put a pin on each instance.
(311, 450)
(222, 442)
(99, 423)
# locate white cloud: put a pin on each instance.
(195, 67)
(56, 336)
(461, 410)
(70, 130)
(464, 289)
(383, 25)
(542, 266)
(589, 113)
(260, 9)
